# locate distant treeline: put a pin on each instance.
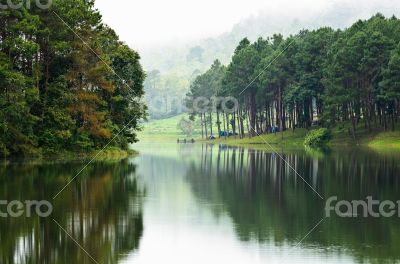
(56, 91)
(320, 77)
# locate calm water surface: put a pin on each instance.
(202, 204)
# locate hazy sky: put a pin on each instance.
(150, 22)
(146, 23)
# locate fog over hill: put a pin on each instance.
(338, 15)
(177, 64)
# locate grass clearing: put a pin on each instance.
(166, 130)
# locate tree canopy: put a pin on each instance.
(316, 77)
(67, 81)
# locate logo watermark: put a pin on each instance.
(200, 104)
(18, 4)
(27, 208)
(362, 208)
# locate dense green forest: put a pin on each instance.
(67, 82)
(321, 77)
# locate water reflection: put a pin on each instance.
(270, 204)
(102, 210)
(203, 204)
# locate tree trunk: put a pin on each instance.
(223, 117)
(211, 125)
(238, 124)
(218, 124)
(247, 124)
(253, 114)
(234, 124)
(201, 124)
(227, 123)
(241, 122)
(205, 125)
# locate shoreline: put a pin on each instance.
(105, 155)
(378, 140)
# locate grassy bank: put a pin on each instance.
(109, 154)
(166, 131)
(286, 139)
(379, 140)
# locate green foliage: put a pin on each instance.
(195, 53)
(318, 77)
(56, 93)
(164, 93)
(186, 126)
(317, 137)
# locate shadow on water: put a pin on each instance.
(268, 203)
(101, 209)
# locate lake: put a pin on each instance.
(202, 203)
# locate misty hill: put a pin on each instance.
(176, 66)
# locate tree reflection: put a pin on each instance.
(268, 202)
(102, 210)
